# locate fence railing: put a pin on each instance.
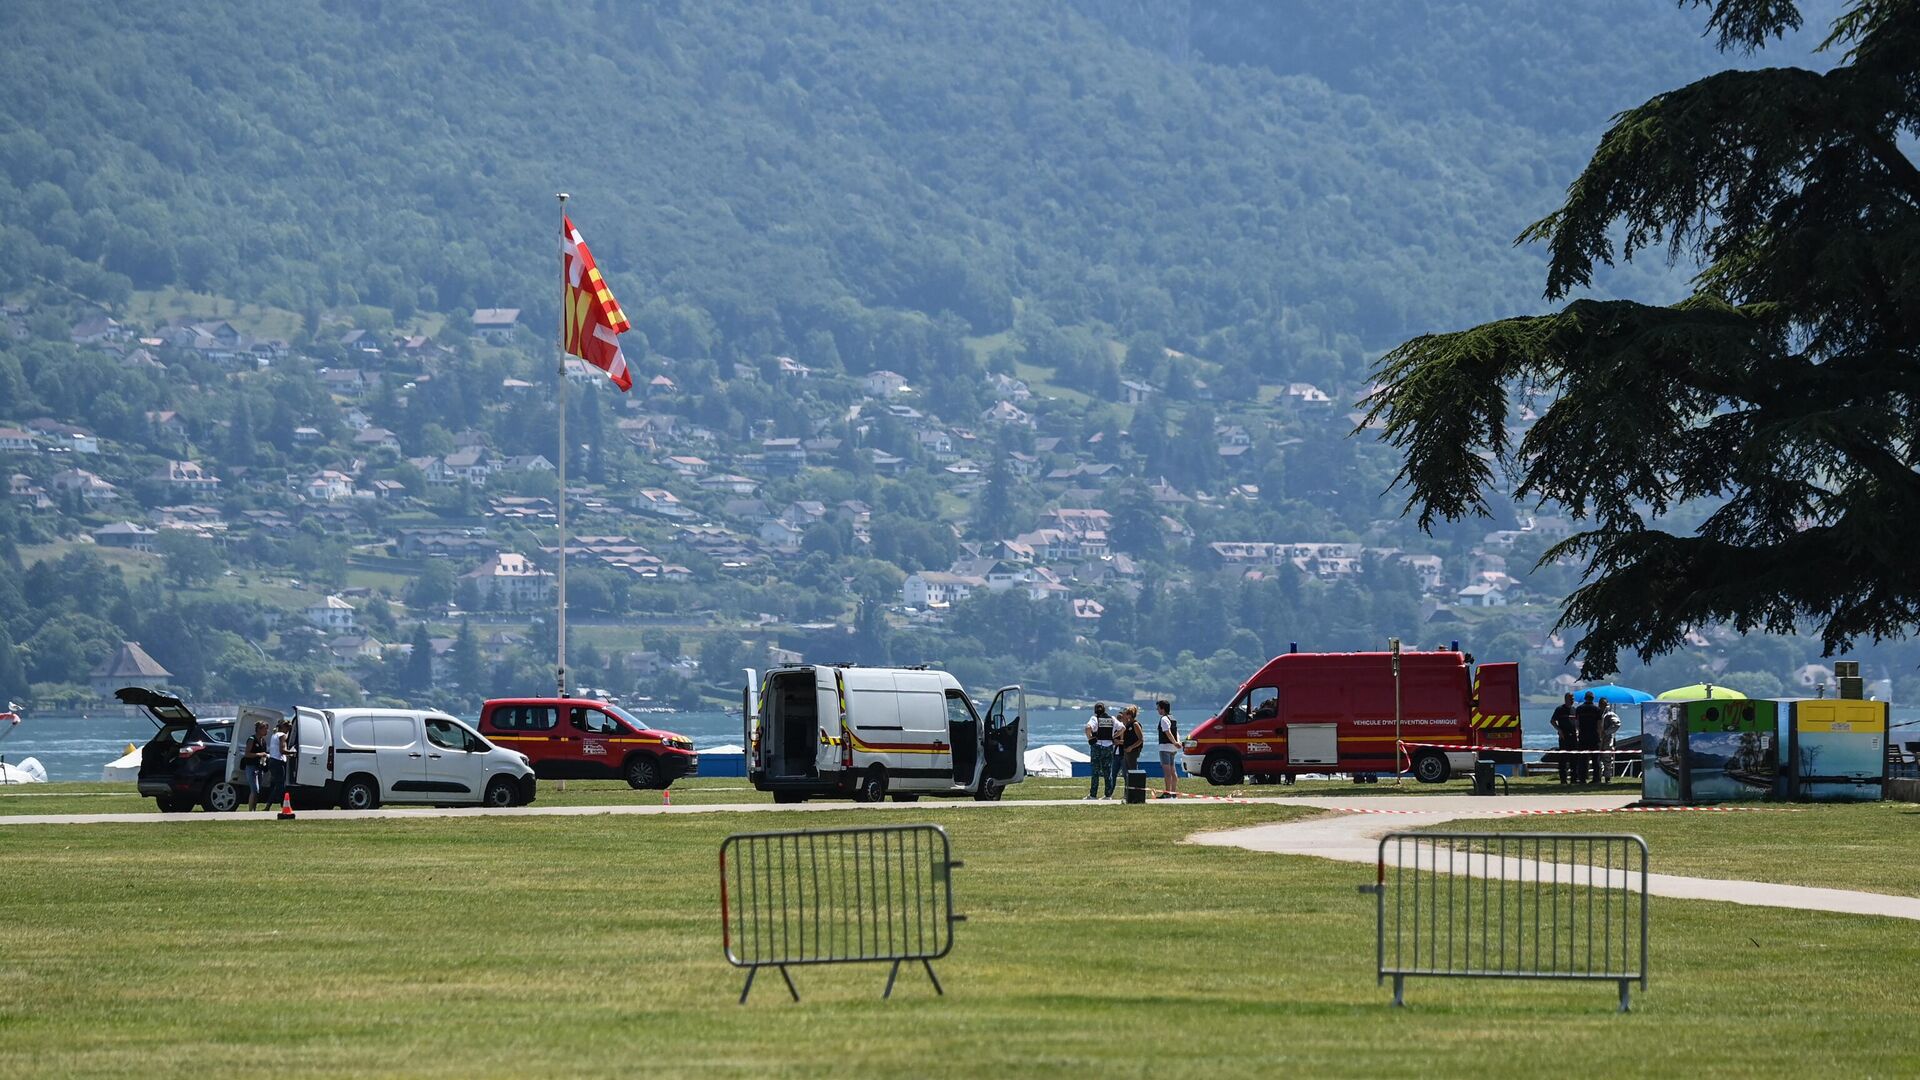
(837, 896)
(1511, 906)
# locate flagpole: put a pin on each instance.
(560, 579)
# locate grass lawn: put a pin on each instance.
(1097, 945)
(135, 565)
(1868, 846)
(158, 306)
(93, 797)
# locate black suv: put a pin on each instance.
(186, 760)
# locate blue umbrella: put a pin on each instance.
(1614, 694)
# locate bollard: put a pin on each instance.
(1136, 785)
(1483, 776)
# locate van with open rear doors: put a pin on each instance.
(839, 730)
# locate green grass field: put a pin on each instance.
(1868, 846)
(1098, 944)
(88, 797)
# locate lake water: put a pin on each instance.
(76, 748)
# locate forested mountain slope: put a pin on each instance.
(1282, 187)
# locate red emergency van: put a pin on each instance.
(580, 739)
(1334, 712)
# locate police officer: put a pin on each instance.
(1586, 721)
(1568, 736)
(1102, 732)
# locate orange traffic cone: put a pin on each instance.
(666, 796)
(286, 806)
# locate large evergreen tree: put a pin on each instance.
(1784, 393)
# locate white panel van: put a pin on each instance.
(815, 730)
(371, 756)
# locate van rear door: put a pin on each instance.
(1005, 736)
(242, 733)
(750, 724)
(311, 758)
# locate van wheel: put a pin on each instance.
(1432, 768)
(873, 786)
(500, 793)
(1221, 769)
(221, 798)
(642, 773)
(990, 791)
(360, 793)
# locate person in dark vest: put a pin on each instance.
(1586, 720)
(1567, 737)
(1169, 747)
(1133, 738)
(1103, 732)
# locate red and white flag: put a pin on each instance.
(594, 319)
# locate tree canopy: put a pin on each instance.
(1783, 393)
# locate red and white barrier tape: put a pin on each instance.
(1464, 747)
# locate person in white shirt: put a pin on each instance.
(1169, 747)
(277, 763)
(1103, 732)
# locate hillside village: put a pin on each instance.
(356, 498)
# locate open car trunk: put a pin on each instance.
(177, 726)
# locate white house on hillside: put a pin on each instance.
(935, 588)
(332, 613)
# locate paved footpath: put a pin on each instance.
(1355, 837)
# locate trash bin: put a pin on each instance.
(1137, 785)
(1483, 776)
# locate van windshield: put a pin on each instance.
(626, 717)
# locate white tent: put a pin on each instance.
(125, 768)
(729, 748)
(1054, 760)
(25, 771)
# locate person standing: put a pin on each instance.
(1102, 734)
(1586, 721)
(1169, 747)
(277, 764)
(1609, 727)
(254, 758)
(1567, 737)
(1133, 738)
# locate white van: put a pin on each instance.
(874, 732)
(371, 756)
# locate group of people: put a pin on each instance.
(1589, 726)
(265, 759)
(1115, 743)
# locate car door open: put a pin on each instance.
(1005, 736)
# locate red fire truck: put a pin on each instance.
(1335, 712)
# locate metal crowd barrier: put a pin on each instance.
(1511, 906)
(837, 896)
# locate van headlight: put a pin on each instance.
(525, 761)
(1189, 745)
